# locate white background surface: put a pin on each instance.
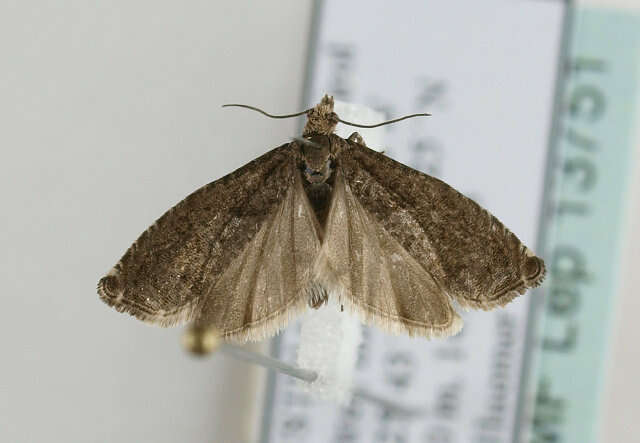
(622, 390)
(109, 115)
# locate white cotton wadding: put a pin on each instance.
(329, 341)
(373, 137)
(330, 337)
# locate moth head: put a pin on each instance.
(321, 119)
(316, 153)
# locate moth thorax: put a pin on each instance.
(317, 158)
(321, 119)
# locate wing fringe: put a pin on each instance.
(165, 319)
(269, 326)
(506, 295)
(394, 325)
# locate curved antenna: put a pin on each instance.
(266, 113)
(384, 123)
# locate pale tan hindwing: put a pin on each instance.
(267, 283)
(375, 277)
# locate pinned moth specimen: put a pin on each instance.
(318, 217)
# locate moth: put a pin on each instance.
(318, 217)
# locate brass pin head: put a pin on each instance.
(201, 340)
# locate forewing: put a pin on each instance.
(375, 276)
(269, 281)
(471, 255)
(167, 273)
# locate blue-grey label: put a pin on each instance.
(590, 178)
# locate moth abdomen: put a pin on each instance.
(317, 295)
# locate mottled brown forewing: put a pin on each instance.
(170, 273)
(468, 252)
(375, 276)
